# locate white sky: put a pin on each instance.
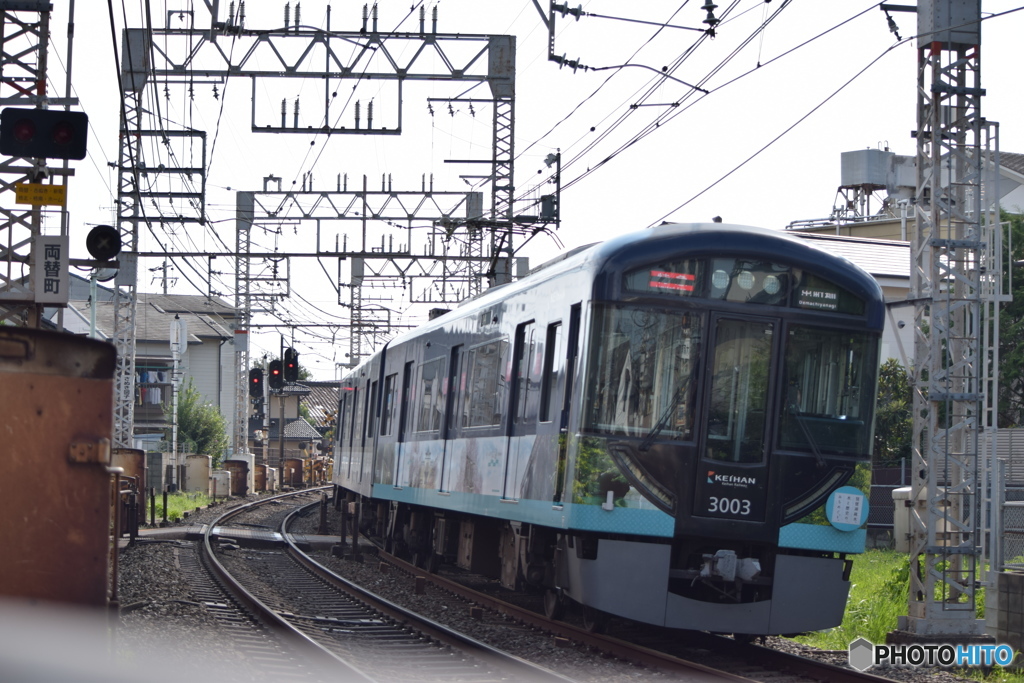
(662, 176)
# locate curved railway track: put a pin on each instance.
(689, 653)
(345, 630)
(340, 629)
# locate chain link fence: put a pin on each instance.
(1012, 535)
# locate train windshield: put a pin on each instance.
(740, 372)
(830, 389)
(641, 369)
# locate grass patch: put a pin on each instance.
(878, 595)
(178, 503)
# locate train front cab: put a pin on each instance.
(733, 387)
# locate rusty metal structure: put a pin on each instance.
(56, 394)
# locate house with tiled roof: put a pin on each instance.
(301, 439)
(321, 403)
(207, 359)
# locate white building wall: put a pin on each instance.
(898, 336)
(203, 368)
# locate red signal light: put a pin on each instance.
(24, 130)
(275, 379)
(256, 382)
(63, 133)
(43, 133)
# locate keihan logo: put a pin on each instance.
(730, 479)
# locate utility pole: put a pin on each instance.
(955, 287)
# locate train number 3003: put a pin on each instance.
(729, 506)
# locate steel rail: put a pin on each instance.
(400, 614)
(294, 637)
(613, 646)
(774, 659)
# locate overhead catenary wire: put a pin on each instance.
(899, 42)
(664, 117)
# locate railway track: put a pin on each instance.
(300, 620)
(253, 639)
(654, 649)
(344, 630)
(694, 654)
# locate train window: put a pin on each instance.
(641, 365)
(819, 294)
(406, 402)
(456, 389)
(357, 415)
(371, 411)
(552, 350)
(749, 281)
(739, 390)
(527, 373)
(387, 410)
(679, 278)
(339, 420)
(430, 393)
(830, 391)
(484, 403)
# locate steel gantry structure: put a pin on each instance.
(956, 288)
(435, 262)
(470, 248)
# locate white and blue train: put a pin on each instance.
(648, 427)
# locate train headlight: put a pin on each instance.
(720, 279)
(745, 280)
(772, 284)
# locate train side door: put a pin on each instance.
(344, 453)
(370, 422)
(403, 423)
(566, 378)
(731, 481)
(522, 427)
(455, 389)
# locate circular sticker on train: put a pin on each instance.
(847, 508)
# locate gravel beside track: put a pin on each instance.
(159, 613)
(157, 609)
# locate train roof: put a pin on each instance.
(702, 239)
(719, 240)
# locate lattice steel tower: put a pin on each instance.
(955, 287)
(24, 47)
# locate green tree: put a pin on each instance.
(201, 424)
(893, 415)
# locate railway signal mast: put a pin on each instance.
(35, 126)
(955, 287)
